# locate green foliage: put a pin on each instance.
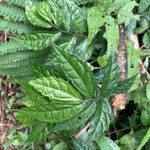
(81, 2)
(55, 45)
(37, 41)
(56, 89)
(12, 12)
(67, 15)
(110, 80)
(100, 121)
(75, 70)
(15, 27)
(20, 3)
(106, 143)
(144, 140)
(35, 15)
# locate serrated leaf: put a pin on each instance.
(47, 113)
(100, 121)
(78, 120)
(123, 86)
(95, 19)
(37, 41)
(33, 96)
(111, 75)
(67, 15)
(76, 70)
(33, 17)
(106, 143)
(56, 89)
(44, 71)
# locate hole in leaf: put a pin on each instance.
(79, 118)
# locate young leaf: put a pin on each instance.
(100, 121)
(47, 113)
(44, 10)
(56, 89)
(76, 70)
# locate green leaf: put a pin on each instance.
(78, 120)
(44, 10)
(82, 145)
(148, 90)
(145, 139)
(56, 89)
(146, 39)
(20, 3)
(145, 115)
(76, 70)
(38, 132)
(95, 19)
(102, 61)
(33, 17)
(67, 15)
(118, 4)
(111, 35)
(37, 41)
(12, 12)
(111, 75)
(44, 71)
(123, 86)
(81, 2)
(106, 143)
(125, 16)
(47, 113)
(133, 65)
(61, 146)
(15, 27)
(33, 97)
(100, 121)
(144, 4)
